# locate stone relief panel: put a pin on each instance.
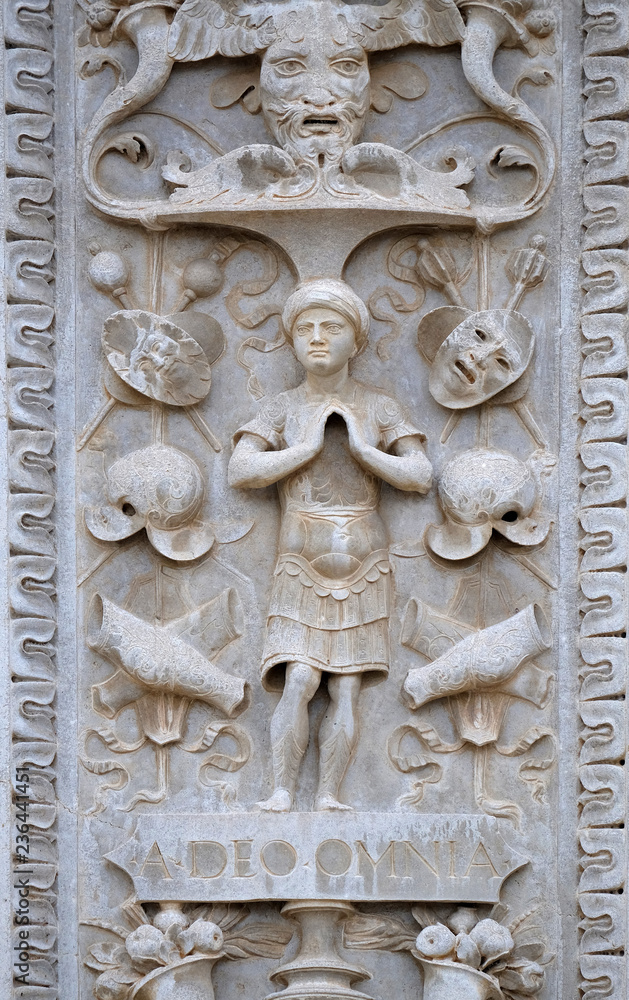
(322, 384)
(317, 497)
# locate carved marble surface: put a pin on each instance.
(314, 466)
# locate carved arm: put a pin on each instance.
(406, 467)
(252, 465)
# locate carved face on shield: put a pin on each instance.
(315, 89)
(157, 357)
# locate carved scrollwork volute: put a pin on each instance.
(147, 27)
(489, 26)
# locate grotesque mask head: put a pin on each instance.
(314, 85)
(483, 490)
(314, 81)
(486, 352)
(158, 358)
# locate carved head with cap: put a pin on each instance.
(326, 323)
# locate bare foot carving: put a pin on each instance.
(325, 801)
(281, 801)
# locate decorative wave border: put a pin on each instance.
(29, 187)
(603, 513)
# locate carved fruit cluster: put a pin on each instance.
(486, 945)
(467, 936)
(175, 933)
(476, 944)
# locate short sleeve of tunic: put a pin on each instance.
(394, 423)
(268, 423)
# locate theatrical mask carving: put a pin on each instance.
(486, 490)
(161, 489)
(474, 355)
(471, 951)
(327, 444)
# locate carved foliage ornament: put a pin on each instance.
(462, 951)
(314, 92)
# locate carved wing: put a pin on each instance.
(203, 28)
(400, 22)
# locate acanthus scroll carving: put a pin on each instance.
(314, 97)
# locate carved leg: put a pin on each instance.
(289, 733)
(337, 738)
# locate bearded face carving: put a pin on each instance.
(315, 91)
(314, 85)
(314, 78)
(314, 88)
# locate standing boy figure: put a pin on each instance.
(327, 444)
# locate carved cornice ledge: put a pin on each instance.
(602, 834)
(29, 234)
